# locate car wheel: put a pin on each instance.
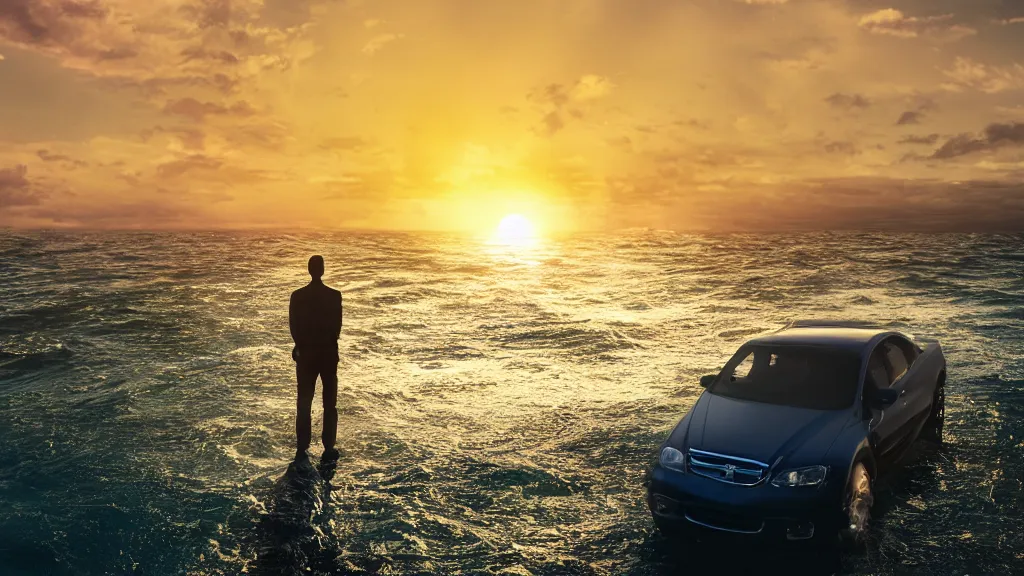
(858, 501)
(933, 426)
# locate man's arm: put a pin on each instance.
(341, 314)
(293, 319)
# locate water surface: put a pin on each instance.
(498, 406)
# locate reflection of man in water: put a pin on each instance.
(314, 316)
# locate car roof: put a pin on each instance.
(847, 336)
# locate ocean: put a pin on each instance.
(499, 405)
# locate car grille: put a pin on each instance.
(728, 469)
(725, 522)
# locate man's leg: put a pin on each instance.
(329, 376)
(306, 377)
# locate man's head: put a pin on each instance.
(316, 267)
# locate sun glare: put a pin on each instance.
(515, 230)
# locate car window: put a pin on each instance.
(743, 369)
(908, 348)
(800, 376)
(878, 374)
(897, 361)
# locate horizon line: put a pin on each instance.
(556, 234)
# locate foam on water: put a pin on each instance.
(498, 406)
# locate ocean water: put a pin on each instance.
(498, 405)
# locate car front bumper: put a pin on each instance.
(687, 501)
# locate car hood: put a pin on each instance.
(762, 432)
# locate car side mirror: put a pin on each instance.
(882, 399)
(708, 380)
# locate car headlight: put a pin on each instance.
(673, 459)
(809, 476)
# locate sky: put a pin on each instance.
(715, 115)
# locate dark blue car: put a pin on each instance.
(788, 439)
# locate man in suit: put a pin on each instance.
(314, 317)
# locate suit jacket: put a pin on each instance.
(314, 317)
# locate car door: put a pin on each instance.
(915, 385)
(889, 426)
(884, 423)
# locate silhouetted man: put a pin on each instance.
(314, 317)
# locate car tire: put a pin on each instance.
(857, 502)
(932, 430)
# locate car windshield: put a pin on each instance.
(799, 376)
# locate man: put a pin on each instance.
(314, 317)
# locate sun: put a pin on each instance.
(515, 230)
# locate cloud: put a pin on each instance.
(553, 94)
(379, 41)
(888, 204)
(68, 161)
(263, 133)
(848, 101)
(930, 139)
(209, 13)
(1016, 111)
(553, 123)
(909, 117)
(200, 53)
(210, 172)
(15, 188)
(63, 26)
(359, 185)
(953, 33)
(196, 110)
(841, 148)
(2, 58)
(920, 105)
(586, 88)
(560, 102)
(14, 178)
(967, 73)
(45, 156)
(1008, 21)
(190, 138)
(132, 214)
(136, 43)
(194, 162)
(995, 136)
(799, 53)
(591, 87)
(892, 22)
(43, 21)
(763, 2)
(84, 8)
(838, 203)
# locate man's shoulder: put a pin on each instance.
(316, 291)
(326, 292)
